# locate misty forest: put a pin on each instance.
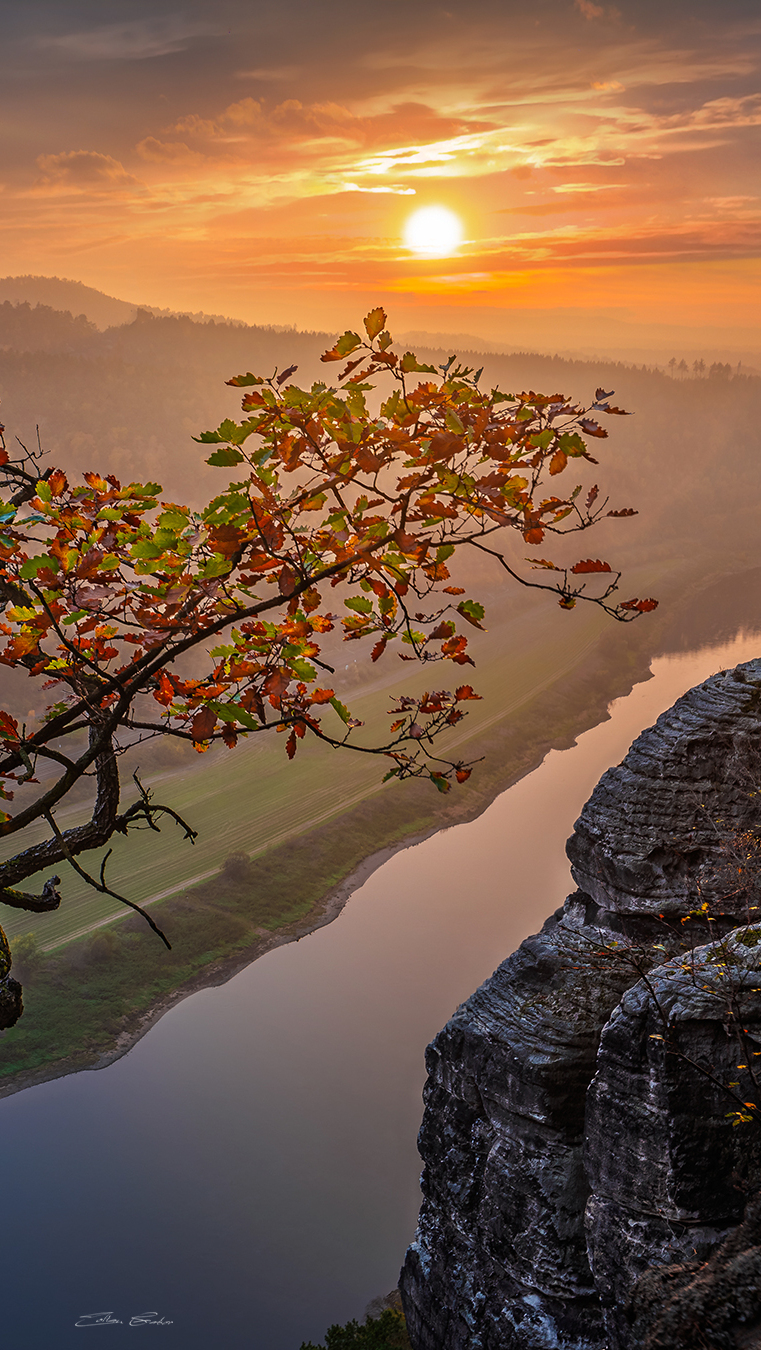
(380, 676)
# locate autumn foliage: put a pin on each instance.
(335, 515)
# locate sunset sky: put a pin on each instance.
(262, 160)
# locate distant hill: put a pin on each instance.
(105, 311)
(128, 400)
(102, 310)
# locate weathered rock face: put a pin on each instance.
(669, 1172)
(515, 1087)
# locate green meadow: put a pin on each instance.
(275, 837)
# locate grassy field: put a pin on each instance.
(252, 798)
(276, 838)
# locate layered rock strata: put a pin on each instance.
(518, 1140)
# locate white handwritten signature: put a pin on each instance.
(107, 1319)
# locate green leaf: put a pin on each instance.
(409, 362)
(43, 492)
(173, 519)
(543, 440)
(146, 549)
(347, 343)
(472, 611)
(215, 567)
(303, 670)
(453, 423)
(571, 444)
(222, 458)
(34, 565)
(341, 709)
(232, 712)
(240, 381)
(360, 604)
(224, 432)
(441, 783)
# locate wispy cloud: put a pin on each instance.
(571, 138)
(134, 40)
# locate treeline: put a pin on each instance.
(129, 400)
(717, 370)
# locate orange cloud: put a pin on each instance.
(84, 169)
(163, 152)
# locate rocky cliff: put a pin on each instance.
(587, 1128)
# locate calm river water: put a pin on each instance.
(248, 1172)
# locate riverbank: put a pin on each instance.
(91, 1001)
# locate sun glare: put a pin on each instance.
(433, 232)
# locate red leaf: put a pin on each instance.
(592, 497)
(464, 692)
(444, 445)
(642, 606)
(378, 649)
(287, 581)
(203, 725)
(628, 511)
(591, 565)
(534, 535)
(592, 428)
(290, 746)
(462, 775)
(8, 727)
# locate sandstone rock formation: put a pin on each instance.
(589, 1076)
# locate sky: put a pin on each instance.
(261, 159)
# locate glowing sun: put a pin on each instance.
(433, 232)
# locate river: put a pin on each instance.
(247, 1174)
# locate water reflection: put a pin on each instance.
(248, 1172)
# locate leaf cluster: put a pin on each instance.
(148, 618)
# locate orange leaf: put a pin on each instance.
(321, 695)
(462, 775)
(558, 461)
(57, 482)
(590, 565)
